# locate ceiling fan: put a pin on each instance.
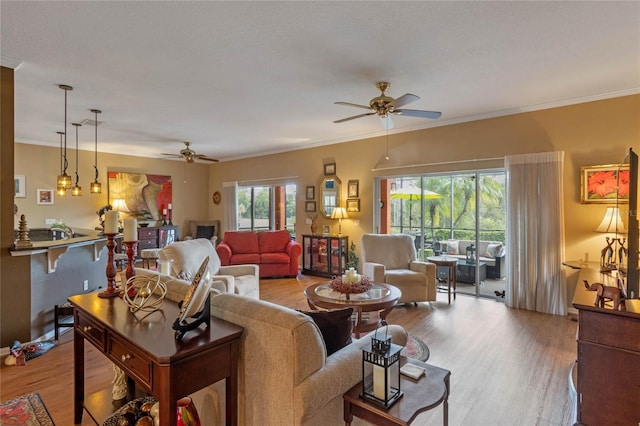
(190, 155)
(384, 105)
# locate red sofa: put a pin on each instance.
(274, 251)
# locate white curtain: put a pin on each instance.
(229, 199)
(535, 233)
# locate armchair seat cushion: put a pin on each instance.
(405, 277)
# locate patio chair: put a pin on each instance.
(391, 259)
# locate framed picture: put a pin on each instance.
(330, 169)
(326, 229)
(45, 196)
(353, 204)
(310, 206)
(21, 186)
(311, 193)
(598, 184)
(352, 188)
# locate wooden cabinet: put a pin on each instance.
(608, 361)
(156, 237)
(324, 255)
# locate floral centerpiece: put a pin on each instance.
(351, 283)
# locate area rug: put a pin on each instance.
(26, 410)
(416, 349)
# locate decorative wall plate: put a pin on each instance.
(216, 198)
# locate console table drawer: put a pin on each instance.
(145, 234)
(92, 330)
(146, 244)
(133, 362)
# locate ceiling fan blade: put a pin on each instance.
(353, 105)
(387, 123)
(407, 98)
(172, 155)
(418, 113)
(205, 158)
(353, 117)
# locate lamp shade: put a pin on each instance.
(119, 205)
(339, 213)
(612, 222)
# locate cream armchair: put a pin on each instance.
(391, 259)
(187, 256)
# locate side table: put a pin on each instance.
(420, 395)
(450, 263)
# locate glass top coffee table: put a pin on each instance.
(376, 303)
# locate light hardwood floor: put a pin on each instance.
(508, 367)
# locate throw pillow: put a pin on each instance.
(452, 247)
(335, 326)
(205, 231)
(494, 250)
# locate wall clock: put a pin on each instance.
(216, 198)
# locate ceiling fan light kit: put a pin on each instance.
(384, 105)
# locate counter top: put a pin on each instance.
(87, 236)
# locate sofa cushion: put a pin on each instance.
(451, 246)
(205, 231)
(245, 259)
(242, 242)
(275, 258)
(187, 256)
(494, 250)
(335, 326)
(273, 241)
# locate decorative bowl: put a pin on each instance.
(351, 288)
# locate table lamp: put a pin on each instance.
(339, 213)
(611, 224)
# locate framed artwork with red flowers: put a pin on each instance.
(604, 184)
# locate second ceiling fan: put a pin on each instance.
(384, 105)
(190, 155)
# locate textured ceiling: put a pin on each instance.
(239, 79)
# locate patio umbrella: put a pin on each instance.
(413, 193)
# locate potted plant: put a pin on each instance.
(143, 216)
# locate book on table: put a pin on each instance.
(412, 370)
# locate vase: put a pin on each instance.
(187, 414)
(314, 227)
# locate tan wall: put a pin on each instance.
(590, 133)
(41, 165)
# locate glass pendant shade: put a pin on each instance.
(96, 186)
(64, 180)
(61, 191)
(77, 189)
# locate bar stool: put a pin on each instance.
(149, 255)
(60, 311)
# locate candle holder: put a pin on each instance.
(170, 216)
(111, 269)
(131, 269)
(164, 220)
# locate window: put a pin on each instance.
(267, 207)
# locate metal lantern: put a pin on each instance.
(471, 254)
(381, 371)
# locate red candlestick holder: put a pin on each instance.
(131, 269)
(111, 270)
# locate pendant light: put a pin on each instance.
(96, 186)
(77, 189)
(61, 191)
(64, 180)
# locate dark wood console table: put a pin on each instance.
(145, 348)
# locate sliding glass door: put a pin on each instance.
(459, 215)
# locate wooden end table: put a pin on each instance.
(451, 264)
(146, 349)
(426, 393)
(380, 299)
